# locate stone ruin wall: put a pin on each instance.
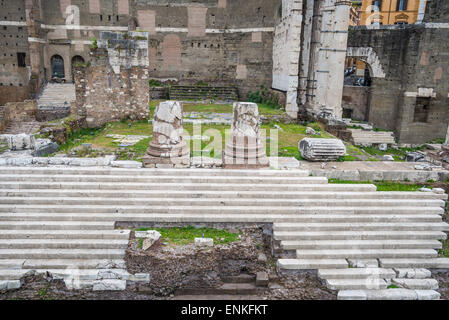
(18, 112)
(117, 85)
(408, 64)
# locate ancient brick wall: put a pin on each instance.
(117, 79)
(20, 111)
(355, 98)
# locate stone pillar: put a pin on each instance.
(445, 146)
(168, 147)
(244, 147)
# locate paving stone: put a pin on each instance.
(204, 242)
(363, 263)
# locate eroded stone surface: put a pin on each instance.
(168, 145)
(314, 149)
(245, 148)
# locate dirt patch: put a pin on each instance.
(443, 282)
(303, 286)
(174, 267)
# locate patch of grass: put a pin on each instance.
(383, 185)
(186, 235)
(392, 286)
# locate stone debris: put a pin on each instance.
(310, 131)
(279, 128)
(262, 279)
(150, 237)
(168, 146)
(262, 258)
(204, 242)
(415, 157)
(127, 140)
(382, 147)
(205, 162)
(109, 285)
(44, 147)
(245, 148)
(316, 149)
(20, 141)
(387, 157)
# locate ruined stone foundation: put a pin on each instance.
(168, 148)
(244, 148)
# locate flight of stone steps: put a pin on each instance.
(57, 96)
(63, 219)
(203, 92)
(368, 138)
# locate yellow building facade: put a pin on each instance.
(387, 12)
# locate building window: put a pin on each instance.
(421, 109)
(378, 4)
(401, 5)
(101, 17)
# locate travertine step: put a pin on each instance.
(434, 263)
(222, 202)
(306, 264)
(356, 273)
(366, 254)
(55, 225)
(261, 217)
(230, 210)
(184, 186)
(360, 244)
(356, 284)
(163, 179)
(63, 244)
(399, 226)
(417, 284)
(36, 264)
(126, 194)
(388, 294)
(358, 235)
(65, 234)
(152, 172)
(62, 254)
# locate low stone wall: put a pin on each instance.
(22, 111)
(60, 133)
(52, 113)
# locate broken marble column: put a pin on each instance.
(321, 149)
(244, 148)
(168, 147)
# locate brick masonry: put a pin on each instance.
(117, 85)
(414, 60)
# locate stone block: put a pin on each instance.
(109, 285)
(43, 148)
(262, 258)
(126, 164)
(387, 157)
(262, 279)
(314, 149)
(204, 242)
